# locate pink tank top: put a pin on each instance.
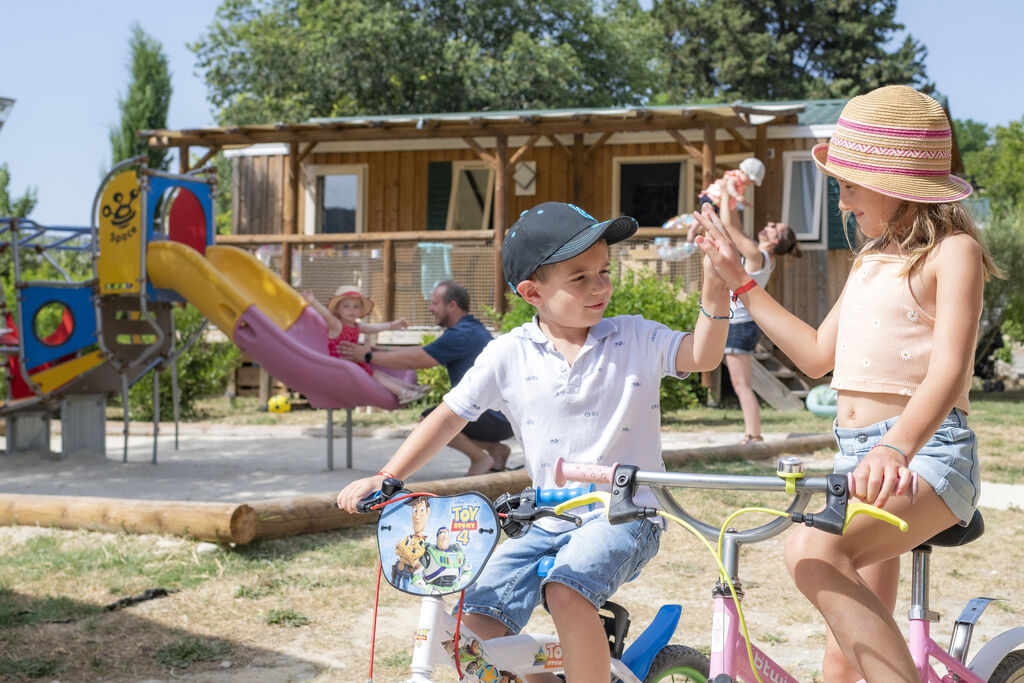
(884, 341)
(348, 334)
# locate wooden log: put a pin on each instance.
(215, 522)
(750, 451)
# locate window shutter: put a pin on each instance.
(439, 189)
(836, 238)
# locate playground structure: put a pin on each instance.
(152, 246)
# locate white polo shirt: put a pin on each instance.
(603, 409)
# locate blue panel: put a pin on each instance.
(157, 186)
(83, 314)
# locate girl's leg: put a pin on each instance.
(739, 373)
(584, 643)
(826, 569)
(406, 393)
(883, 579)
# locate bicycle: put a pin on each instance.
(733, 655)
(463, 543)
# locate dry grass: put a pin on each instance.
(299, 608)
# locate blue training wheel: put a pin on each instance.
(821, 400)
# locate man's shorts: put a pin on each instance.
(743, 338)
(594, 560)
(948, 462)
(488, 428)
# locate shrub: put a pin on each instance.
(653, 297)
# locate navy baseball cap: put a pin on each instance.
(553, 232)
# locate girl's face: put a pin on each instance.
(872, 210)
(348, 310)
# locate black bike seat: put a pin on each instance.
(957, 535)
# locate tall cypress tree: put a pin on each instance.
(146, 104)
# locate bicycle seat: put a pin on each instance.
(957, 535)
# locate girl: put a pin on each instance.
(775, 239)
(341, 315)
(901, 341)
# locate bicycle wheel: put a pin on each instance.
(1010, 670)
(678, 664)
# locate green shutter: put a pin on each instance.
(439, 189)
(836, 239)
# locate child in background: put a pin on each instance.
(901, 341)
(573, 385)
(733, 184)
(341, 314)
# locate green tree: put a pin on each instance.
(783, 49)
(146, 104)
(291, 60)
(997, 168)
(16, 207)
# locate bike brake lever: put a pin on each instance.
(856, 507)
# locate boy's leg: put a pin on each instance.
(585, 654)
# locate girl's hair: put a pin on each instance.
(787, 244)
(918, 228)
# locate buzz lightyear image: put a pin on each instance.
(443, 565)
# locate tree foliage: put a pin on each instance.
(145, 105)
(725, 50)
(291, 60)
(16, 207)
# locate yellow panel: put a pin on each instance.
(172, 265)
(59, 375)
(120, 235)
(272, 295)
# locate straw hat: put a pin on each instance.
(897, 141)
(345, 292)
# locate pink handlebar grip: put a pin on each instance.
(598, 474)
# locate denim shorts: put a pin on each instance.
(594, 560)
(743, 337)
(948, 462)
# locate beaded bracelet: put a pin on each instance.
(886, 445)
(743, 289)
(713, 317)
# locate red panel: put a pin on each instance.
(187, 221)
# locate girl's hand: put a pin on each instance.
(881, 474)
(719, 248)
(307, 294)
(399, 324)
(357, 490)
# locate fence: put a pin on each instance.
(399, 270)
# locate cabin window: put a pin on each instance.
(652, 190)
(335, 199)
(803, 198)
(469, 201)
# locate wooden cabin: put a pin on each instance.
(394, 204)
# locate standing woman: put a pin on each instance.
(758, 258)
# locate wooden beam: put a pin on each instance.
(183, 163)
(358, 238)
(481, 152)
(501, 185)
(305, 152)
(761, 203)
(708, 156)
(388, 264)
(576, 163)
(558, 144)
(685, 144)
(744, 143)
(206, 157)
(598, 144)
(514, 159)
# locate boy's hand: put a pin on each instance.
(357, 490)
(719, 249)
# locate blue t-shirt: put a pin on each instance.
(458, 347)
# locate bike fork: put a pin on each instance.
(427, 650)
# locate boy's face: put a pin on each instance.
(574, 293)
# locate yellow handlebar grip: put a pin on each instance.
(602, 497)
(856, 507)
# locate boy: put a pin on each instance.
(577, 386)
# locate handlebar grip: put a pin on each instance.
(597, 474)
(367, 503)
(552, 497)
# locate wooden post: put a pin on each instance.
(500, 203)
(708, 156)
(183, 164)
(760, 195)
(388, 263)
(290, 209)
(577, 170)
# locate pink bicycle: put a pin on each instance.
(733, 656)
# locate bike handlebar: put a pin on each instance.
(595, 474)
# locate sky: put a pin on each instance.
(65, 63)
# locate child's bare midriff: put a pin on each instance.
(859, 408)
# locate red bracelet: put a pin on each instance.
(386, 474)
(743, 289)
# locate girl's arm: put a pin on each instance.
(754, 259)
(373, 328)
(429, 436)
(812, 350)
(333, 324)
(703, 349)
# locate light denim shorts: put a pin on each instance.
(594, 560)
(948, 462)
